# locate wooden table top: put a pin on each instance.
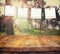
(29, 43)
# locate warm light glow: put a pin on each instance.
(9, 10)
(36, 13)
(50, 13)
(23, 12)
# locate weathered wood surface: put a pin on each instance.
(29, 43)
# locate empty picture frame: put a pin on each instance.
(9, 10)
(36, 13)
(50, 13)
(23, 12)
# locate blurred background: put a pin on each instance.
(29, 17)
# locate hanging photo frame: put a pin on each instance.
(36, 13)
(50, 13)
(23, 12)
(9, 10)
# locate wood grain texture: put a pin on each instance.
(29, 43)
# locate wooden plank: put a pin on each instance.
(30, 43)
